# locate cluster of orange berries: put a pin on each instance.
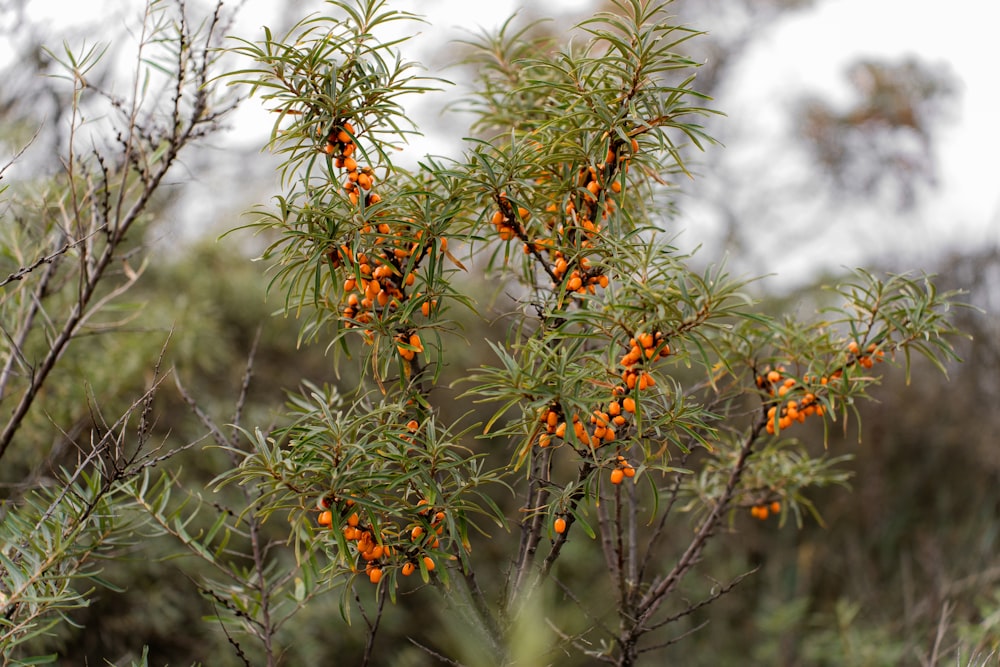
(643, 349)
(341, 147)
(622, 470)
(606, 424)
(764, 510)
(377, 280)
(869, 358)
(790, 411)
(575, 228)
(374, 549)
(369, 289)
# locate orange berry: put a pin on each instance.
(325, 518)
(415, 343)
(412, 425)
(353, 520)
(617, 475)
(408, 569)
(629, 471)
(614, 408)
(773, 377)
(375, 575)
(559, 525)
(416, 533)
(544, 440)
(628, 404)
(429, 563)
(775, 507)
(630, 378)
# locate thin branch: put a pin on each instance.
(660, 529)
(434, 654)
(17, 343)
(373, 625)
(690, 609)
(670, 642)
(655, 596)
(47, 259)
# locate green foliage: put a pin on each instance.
(547, 496)
(619, 362)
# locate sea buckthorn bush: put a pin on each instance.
(631, 407)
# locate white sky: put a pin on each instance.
(960, 35)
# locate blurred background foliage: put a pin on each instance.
(905, 568)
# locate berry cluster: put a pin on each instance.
(622, 470)
(378, 281)
(373, 546)
(605, 424)
(789, 410)
(763, 510)
(869, 358)
(797, 403)
(567, 235)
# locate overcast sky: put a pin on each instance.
(806, 50)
